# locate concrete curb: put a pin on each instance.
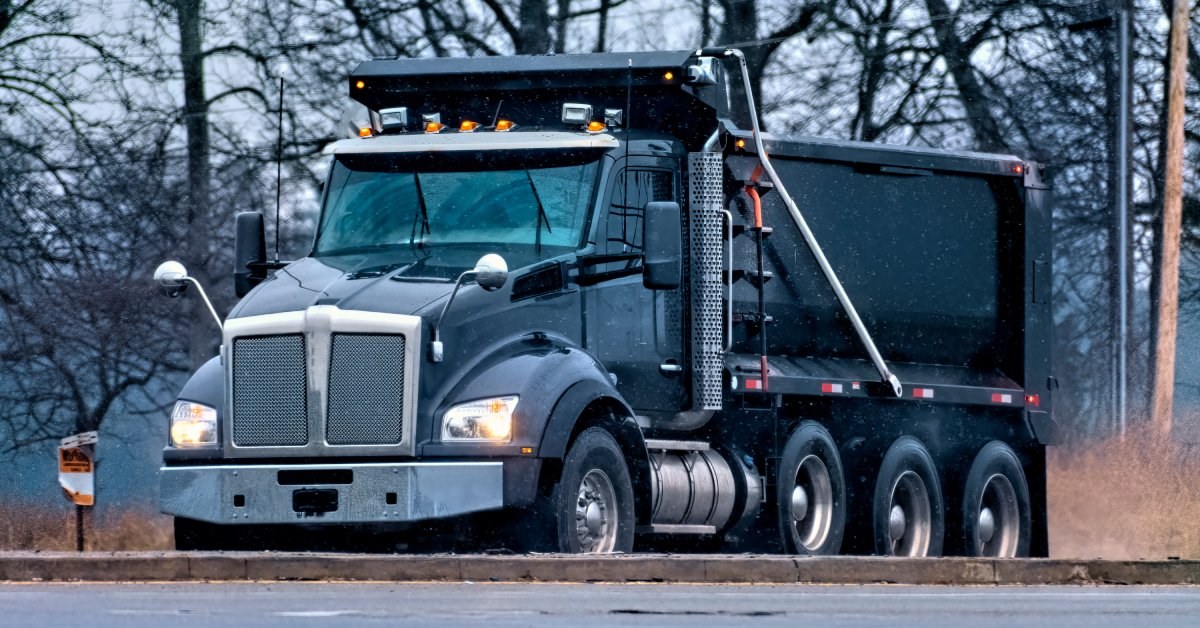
(233, 566)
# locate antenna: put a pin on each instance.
(279, 160)
(497, 116)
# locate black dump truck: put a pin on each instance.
(586, 298)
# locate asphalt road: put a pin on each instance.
(586, 605)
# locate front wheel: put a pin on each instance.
(811, 494)
(593, 501)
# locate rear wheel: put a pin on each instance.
(811, 495)
(908, 512)
(593, 501)
(996, 506)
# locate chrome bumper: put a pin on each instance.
(419, 490)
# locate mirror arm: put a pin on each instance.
(436, 352)
(204, 296)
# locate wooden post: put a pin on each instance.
(1168, 300)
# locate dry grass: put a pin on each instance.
(25, 527)
(1125, 499)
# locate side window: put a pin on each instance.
(625, 216)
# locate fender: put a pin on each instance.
(539, 370)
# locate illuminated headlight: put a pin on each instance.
(482, 420)
(193, 425)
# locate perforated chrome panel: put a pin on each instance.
(366, 390)
(270, 404)
(705, 196)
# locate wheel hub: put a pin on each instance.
(594, 519)
(987, 525)
(799, 503)
(897, 522)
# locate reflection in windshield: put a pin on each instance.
(408, 206)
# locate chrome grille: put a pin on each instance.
(270, 405)
(366, 390)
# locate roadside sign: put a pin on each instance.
(77, 468)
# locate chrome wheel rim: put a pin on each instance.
(910, 517)
(998, 524)
(812, 503)
(595, 513)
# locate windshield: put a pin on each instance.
(532, 203)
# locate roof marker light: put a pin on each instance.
(594, 127)
(364, 131)
(468, 126)
(505, 125)
(434, 127)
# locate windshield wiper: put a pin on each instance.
(412, 237)
(537, 238)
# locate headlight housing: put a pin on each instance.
(484, 420)
(193, 425)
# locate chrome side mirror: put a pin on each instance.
(491, 272)
(173, 278)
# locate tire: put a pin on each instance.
(908, 511)
(811, 493)
(996, 507)
(592, 504)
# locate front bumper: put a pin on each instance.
(369, 493)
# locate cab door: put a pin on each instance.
(636, 332)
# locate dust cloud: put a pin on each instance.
(1131, 498)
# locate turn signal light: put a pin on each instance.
(740, 143)
(505, 125)
(364, 131)
(669, 75)
(434, 127)
(360, 85)
(595, 126)
(468, 126)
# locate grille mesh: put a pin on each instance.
(366, 390)
(705, 171)
(270, 405)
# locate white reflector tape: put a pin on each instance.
(827, 387)
(923, 393)
(1001, 398)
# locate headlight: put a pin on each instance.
(193, 425)
(482, 420)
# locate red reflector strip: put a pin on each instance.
(1001, 398)
(754, 384)
(923, 393)
(827, 387)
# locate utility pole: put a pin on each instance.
(1116, 16)
(1168, 300)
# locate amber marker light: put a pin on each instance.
(505, 125)
(359, 85)
(595, 127)
(468, 126)
(669, 75)
(364, 131)
(740, 144)
(434, 127)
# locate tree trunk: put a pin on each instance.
(534, 29)
(1168, 298)
(201, 336)
(970, 91)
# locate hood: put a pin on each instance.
(371, 283)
